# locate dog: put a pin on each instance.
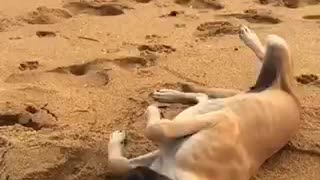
(228, 134)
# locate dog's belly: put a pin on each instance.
(165, 164)
(212, 156)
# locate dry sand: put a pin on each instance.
(73, 71)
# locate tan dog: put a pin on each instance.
(227, 138)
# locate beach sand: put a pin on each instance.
(74, 71)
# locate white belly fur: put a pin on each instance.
(165, 163)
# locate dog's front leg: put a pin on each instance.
(119, 164)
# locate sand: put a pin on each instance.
(74, 71)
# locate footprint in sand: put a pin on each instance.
(91, 74)
(42, 34)
(7, 23)
(24, 119)
(172, 14)
(290, 3)
(256, 16)
(44, 15)
(153, 38)
(308, 79)
(131, 63)
(311, 17)
(25, 115)
(139, 65)
(178, 25)
(95, 9)
(202, 4)
(29, 65)
(216, 28)
(156, 48)
(286, 3)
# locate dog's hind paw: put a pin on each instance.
(167, 95)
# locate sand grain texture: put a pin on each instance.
(74, 71)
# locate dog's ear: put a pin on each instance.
(143, 173)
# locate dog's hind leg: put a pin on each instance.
(251, 39)
(119, 164)
(174, 96)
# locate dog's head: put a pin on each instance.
(143, 173)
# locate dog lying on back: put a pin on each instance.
(227, 134)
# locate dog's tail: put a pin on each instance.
(276, 71)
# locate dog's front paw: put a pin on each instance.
(117, 137)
